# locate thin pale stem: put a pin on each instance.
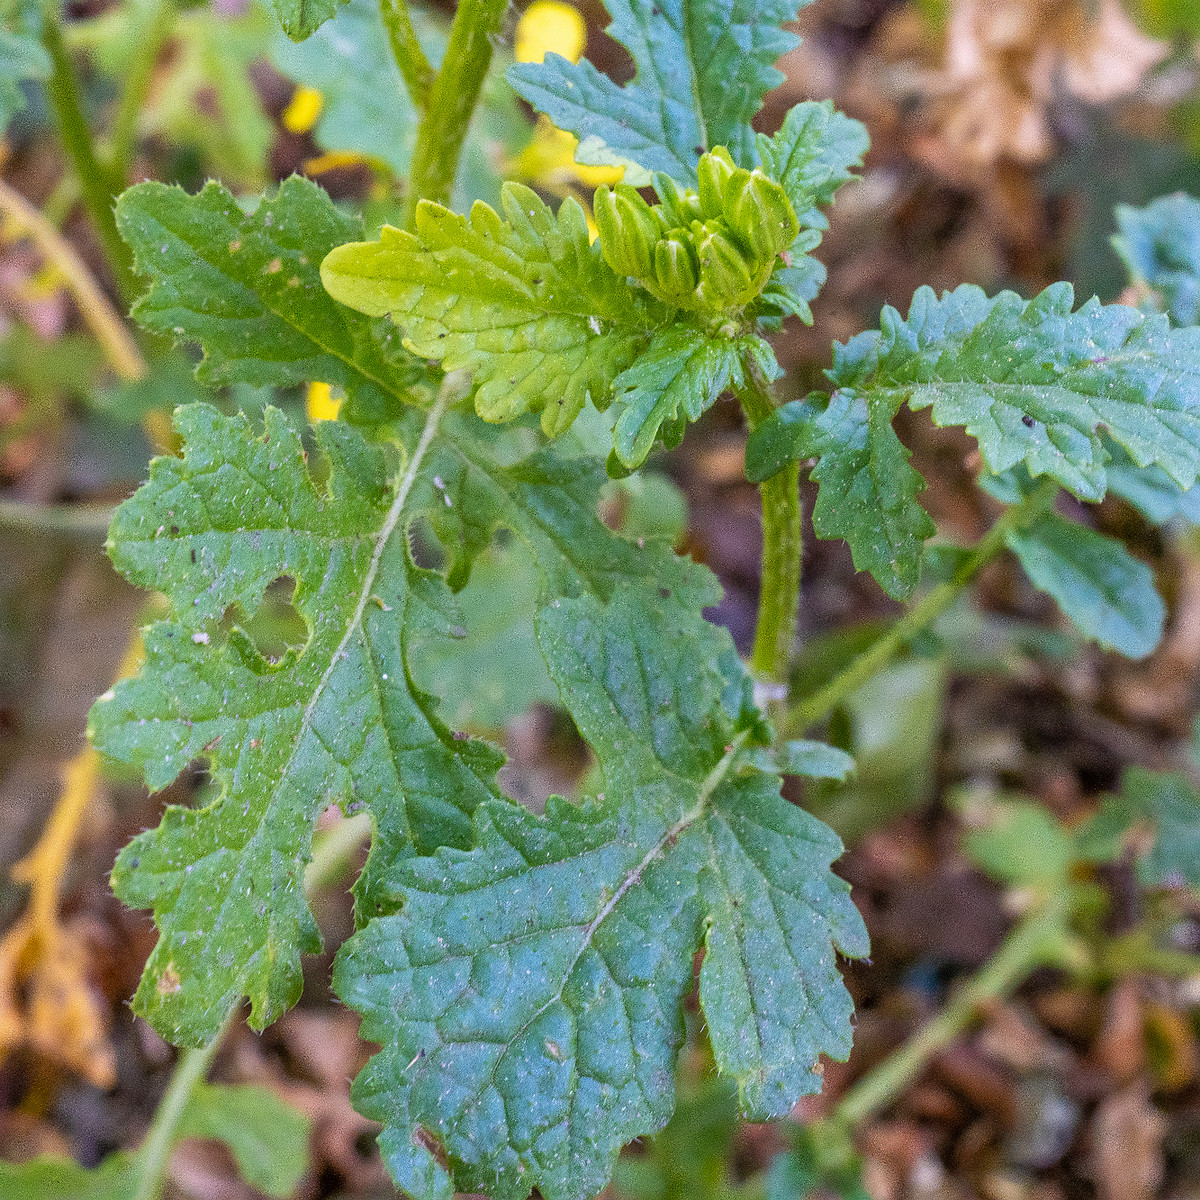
(96, 183)
(155, 22)
(779, 592)
(85, 521)
(1035, 941)
(110, 331)
(415, 69)
(452, 99)
(820, 704)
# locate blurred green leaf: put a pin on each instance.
(1160, 245)
(1015, 841)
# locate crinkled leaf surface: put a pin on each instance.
(335, 721)
(527, 304)
(1150, 490)
(1160, 244)
(703, 68)
(527, 994)
(300, 18)
(1034, 382)
(1107, 593)
(868, 491)
(680, 375)
(248, 290)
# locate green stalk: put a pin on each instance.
(1034, 942)
(415, 68)
(95, 181)
(452, 99)
(779, 591)
(820, 704)
(152, 1158)
(332, 852)
(155, 22)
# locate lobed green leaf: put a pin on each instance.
(247, 289)
(702, 70)
(1035, 382)
(1160, 245)
(528, 993)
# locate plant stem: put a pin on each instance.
(155, 22)
(110, 331)
(96, 184)
(415, 68)
(152, 1158)
(1032, 943)
(452, 99)
(779, 590)
(330, 855)
(820, 704)
(86, 521)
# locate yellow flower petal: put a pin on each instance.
(548, 25)
(303, 110)
(320, 403)
(333, 160)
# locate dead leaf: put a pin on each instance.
(1127, 1153)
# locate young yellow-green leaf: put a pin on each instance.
(680, 376)
(51, 1177)
(1160, 244)
(247, 289)
(267, 1138)
(334, 721)
(1035, 382)
(1107, 593)
(702, 70)
(868, 493)
(528, 993)
(527, 304)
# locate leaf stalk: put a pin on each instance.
(451, 101)
(415, 69)
(874, 658)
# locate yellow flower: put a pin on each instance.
(549, 26)
(320, 403)
(303, 110)
(549, 159)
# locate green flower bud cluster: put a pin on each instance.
(710, 250)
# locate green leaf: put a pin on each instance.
(680, 376)
(1169, 805)
(1016, 841)
(300, 18)
(702, 70)
(50, 1177)
(1160, 244)
(1108, 594)
(814, 152)
(335, 721)
(528, 304)
(868, 491)
(815, 760)
(267, 1138)
(1034, 382)
(22, 59)
(528, 993)
(247, 289)
(1151, 490)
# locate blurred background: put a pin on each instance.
(1004, 133)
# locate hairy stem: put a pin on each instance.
(110, 331)
(96, 182)
(452, 99)
(415, 68)
(820, 704)
(779, 592)
(155, 20)
(1036, 940)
